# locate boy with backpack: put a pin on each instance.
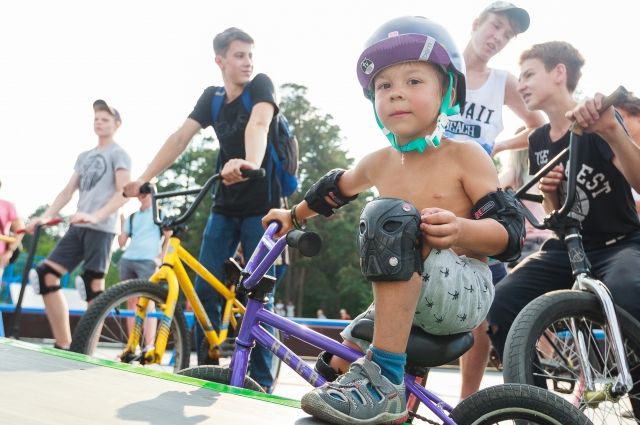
(424, 242)
(244, 112)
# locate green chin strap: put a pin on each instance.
(420, 144)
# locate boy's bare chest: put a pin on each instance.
(423, 183)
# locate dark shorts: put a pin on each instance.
(136, 269)
(82, 244)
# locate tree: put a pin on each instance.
(191, 169)
(331, 280)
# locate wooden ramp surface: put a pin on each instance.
(40, 385)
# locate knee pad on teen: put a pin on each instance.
(83, 284)
(37, 279)
(389, 240)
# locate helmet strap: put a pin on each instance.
(420, 144)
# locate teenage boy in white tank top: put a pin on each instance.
(481, 120)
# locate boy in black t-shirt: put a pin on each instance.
(240, 204)
(609, 160)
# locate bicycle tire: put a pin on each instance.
(518, 403)
(205, 360)
(103, 323)
(553, 364)
(220, 375)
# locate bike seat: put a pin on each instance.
(424, 349)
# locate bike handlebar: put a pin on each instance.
(200, 192)
(618, 95)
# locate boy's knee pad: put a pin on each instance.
(37, 279)
(389, 240)
(83, 284)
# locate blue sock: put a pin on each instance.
(391, 364)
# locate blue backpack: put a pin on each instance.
(282, 145)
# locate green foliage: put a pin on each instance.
(192, 169)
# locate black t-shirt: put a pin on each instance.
(604, 203)
(253, 197)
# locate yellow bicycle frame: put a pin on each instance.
(174, 273)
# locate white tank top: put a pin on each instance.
(481, 118)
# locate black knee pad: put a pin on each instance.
(389, 240)
(37, 279)
(83, 284)
(323, 368)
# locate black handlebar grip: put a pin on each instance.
(145, 188)
(308, 243)
(254, 174)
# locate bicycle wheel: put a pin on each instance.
(219, 374)
(103, 330)
(226, 350)
(516, 404)
(541, 350)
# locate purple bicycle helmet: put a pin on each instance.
(410, 38)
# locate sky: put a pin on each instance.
(152, 60)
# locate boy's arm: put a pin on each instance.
(59, 202)
(168, 153)
(123, 176)
(531, 119)
(255, 144)
(484, 237)
(123, 236)
(351, 182)
(625, 150)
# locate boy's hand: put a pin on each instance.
(132, 189)
(281, 215)
(549, 184)
(231, 172)
(31, 224)
(586, 115)
(440, 227)
(83, 218)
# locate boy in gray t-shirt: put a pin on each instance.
(99, 175)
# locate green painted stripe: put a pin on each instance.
(227, 389)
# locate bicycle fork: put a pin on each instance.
(624, 381)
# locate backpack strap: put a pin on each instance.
(216, 103)
(131, 225)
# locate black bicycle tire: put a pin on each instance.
(516, 402)
(218, 374)
(102, 305)
(527, 328)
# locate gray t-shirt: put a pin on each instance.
(97, 169)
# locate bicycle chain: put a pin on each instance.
(422, 418)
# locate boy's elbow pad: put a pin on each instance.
(327, 186)
(507, 210)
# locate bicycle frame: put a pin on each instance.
(251, 332)
(174, 273)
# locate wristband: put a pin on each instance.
(294, 219)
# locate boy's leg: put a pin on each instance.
(251, 232)
(219, 242)
(97, 256)
(382, 398)
(66, 256)
(545, 271)
(474, 361)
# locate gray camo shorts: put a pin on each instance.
(456, 294)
